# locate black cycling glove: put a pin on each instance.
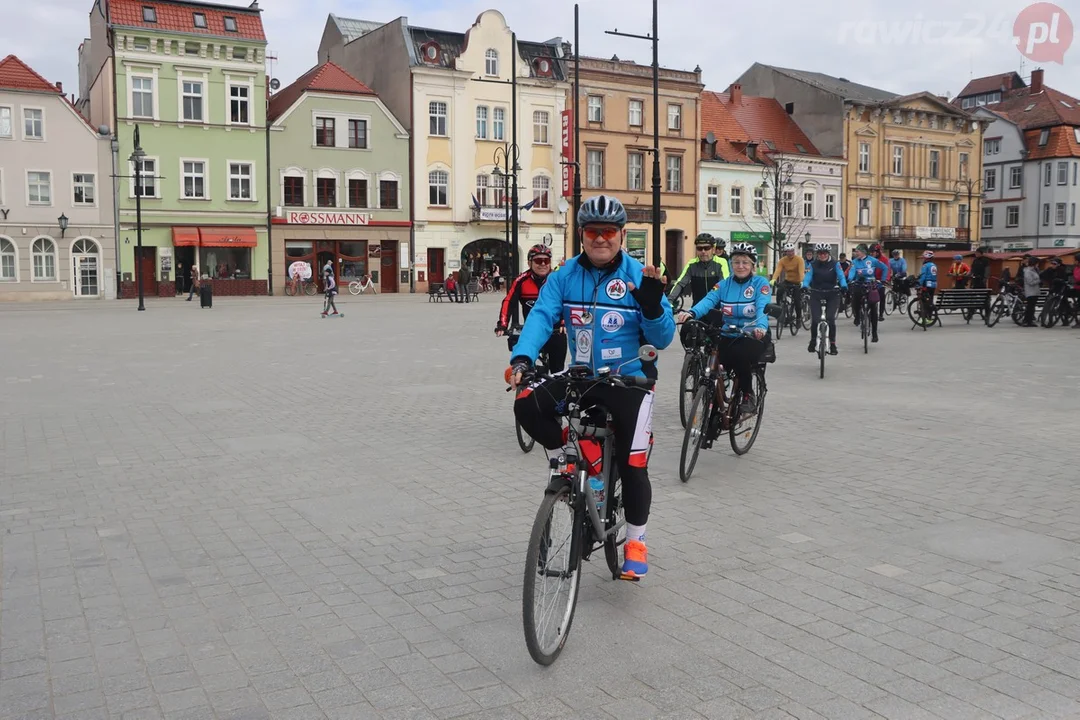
(648, 297)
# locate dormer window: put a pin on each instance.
(800, 148)
(149, 14)
(542, 67)
(1044, 137)
(1029, 108)
(230, 24)
(491, 63)
(769, 144)
(200, 20)
(430, 52)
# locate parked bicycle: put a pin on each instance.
(1009, 302)
(306, 287)
(585, 522)
(361, 285)
(1060, 306)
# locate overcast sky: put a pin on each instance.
(934, 45)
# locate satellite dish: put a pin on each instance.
(563, 205)
(275, 83)
(710, 138)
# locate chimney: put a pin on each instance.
(736, 93)
(60, 87)
(1036, 81)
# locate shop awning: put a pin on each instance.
(228, 237)
(185, 236)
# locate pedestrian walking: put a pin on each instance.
(464, 278)
(1031, 280)
(194, 281)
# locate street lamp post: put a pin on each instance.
(778, 176)
(137, 160)
(508, 155)
(970, 185)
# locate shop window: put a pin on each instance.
(226, 263)
(354, 259)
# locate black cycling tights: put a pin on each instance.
(862, 302)
(832, 304)
(741, 354)
(539, 406)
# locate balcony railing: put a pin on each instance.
(489, 213)
(924, 232)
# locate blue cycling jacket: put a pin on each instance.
(604, 324)
(928, 276)
(898, 266)
(743, 303)
(863, 269)
(826, 278)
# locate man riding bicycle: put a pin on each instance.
(524, 291)
(611, 305)
(702, 273)
(825, 273)
(864, 274)
(927, 283)
(793, 271)
(898, 272)
(742, 299)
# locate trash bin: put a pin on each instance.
(206, 295)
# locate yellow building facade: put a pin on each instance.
(913, 175)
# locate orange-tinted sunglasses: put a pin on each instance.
(608, 233)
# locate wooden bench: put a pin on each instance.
(436, 292)
(968, 301)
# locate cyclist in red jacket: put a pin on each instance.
(524, 291)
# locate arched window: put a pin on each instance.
(85, 246)
(9, 261)
(541, 192)
(491, 63)
(44, 253)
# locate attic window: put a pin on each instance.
(1076, 132)
(1029, 107)
(1066, 104)
(769, 144)
(200, 20)
(430, 51)
(543, 67)
(1044, 137)
(800, 148)
(230, 24)
(149, 14)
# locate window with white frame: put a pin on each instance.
(437, 118)
(1016, 176)
(897, 212)
(736, 200)
(146, 178)
(787, 203)
(438, 188)
(988, 217)
(481, 122)
(712, 199)
(357, 190)
(962, 215)
(43, 252)
(8, 261)
(963, 166)
(326, 191)
(39, 188)
(239, 104)
(864, 212)
(1063, 173)
(934, 211)
(388, 193)
(759, 200)
(482, 185)
(595, 106)
(1048, 174)
(898, 160)
(142, 96)
(830, 206)
(935, 164)
(594, 168)
(541, 126)
(325, 131)
(864, 157)
(674, 117)
(33, 124)
(294, 190)
(1046, 214)
(1012, 216)
(82, 189)
(674, 173)
(240, 176)
(808, 204)
(491, 63)
(990, 179)
(1044, 137)
(193, 175)
(991, 147)
(5, 122)
(193, 100)
(636, 113)
(1059, 214)
(358, 134)
(635, 171)
(498, 123)
(541, 192)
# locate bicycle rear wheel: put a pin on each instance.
(310, 289)
(744, 428)
(525, 441)
(696, 426)
(552, 576)
(781, 322)
(290, 289)
(804, 309)
(355, 287)
(864, 328)
(688, 382)
(1048, 317)
(997, 310)
(613, 515)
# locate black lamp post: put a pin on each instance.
(62, 221)
(508, 156)
(970, 185)
(778, 176)
(137, 160)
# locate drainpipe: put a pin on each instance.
(110, 36)
(412, 193)
(269, 204)
(1038, 208)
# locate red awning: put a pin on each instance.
(185, 236)
(228, 237)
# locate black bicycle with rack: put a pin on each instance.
(553, 559)
(525, 441)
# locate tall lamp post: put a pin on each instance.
(970, 185)
(778, 176)
(137, 158)
(507, 156)
(656, 125)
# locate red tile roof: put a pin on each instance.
(173, 16)
(978, 86)
(730, 136)
(327, 78)
(17, 75)
(1061, 143)
(764, 119)
(1051, 107)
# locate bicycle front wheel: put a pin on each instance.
(823, 331)
(290, 289)
(552, 575)
(865, 329)
(525, 440)
(697, 425)
(310, 289)
(613, 515)
(688, 382)
(1049, 316)
(355, 287)
(744, 428)
(997, 310)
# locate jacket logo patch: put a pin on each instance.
(765, 290)
(611, 353)
(583, 346)
(749, 310)
(612, 321)
(748, 293)
(616, 289)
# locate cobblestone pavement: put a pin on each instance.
(248, 512)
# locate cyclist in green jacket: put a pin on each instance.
(702, 273)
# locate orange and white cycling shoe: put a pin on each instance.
(635, 560)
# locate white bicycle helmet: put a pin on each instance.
(744, 249)
(789, 247)
(822, 247)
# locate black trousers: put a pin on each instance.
(555, 348)
(861, 299)
(796, 294)
(1029, 309)
(741, 354)
(539, 406)
(978, 283)
(832, 304)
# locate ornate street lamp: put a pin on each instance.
(62, 221)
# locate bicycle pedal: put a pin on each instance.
(629, 578)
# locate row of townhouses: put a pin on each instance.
(398, 153)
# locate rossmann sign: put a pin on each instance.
(326, 218)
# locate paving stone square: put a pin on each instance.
(250, 512)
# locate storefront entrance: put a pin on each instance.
(86, 268)
(350, 259)
(480, 256)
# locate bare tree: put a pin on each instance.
(787, 225)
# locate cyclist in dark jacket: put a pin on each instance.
(980, 269)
